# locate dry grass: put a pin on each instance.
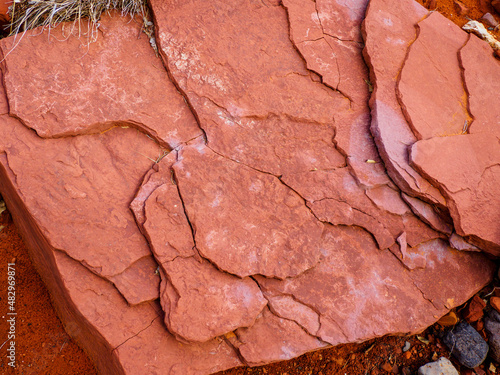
(30, 14)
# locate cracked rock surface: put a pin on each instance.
(285, 176)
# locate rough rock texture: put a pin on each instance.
(450, 137)
(466, 344)
(104, 89)
(236, 200)
(443, 366)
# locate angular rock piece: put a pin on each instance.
(254, 226)
(259, 106)
(356, 285)
(467, 168)
(335, 197)
(166, 227)
(427, 214)
(478, 62)
(459, 243)
(226, 301)
(430, 89)
(443, 366)
(78, 190)
(288, 308)
(274, 339)
(387, 35)
(67, 88)
(466, 344)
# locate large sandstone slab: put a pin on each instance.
(79, 88)
(241, 213)
(430, 88)
(387, 36)
(473, 197)
(449, 130)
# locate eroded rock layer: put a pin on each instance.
(236, 200)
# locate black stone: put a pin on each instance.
(466, 345)
(492, 326)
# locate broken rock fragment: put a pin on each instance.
(68, 88)
(387, 36)
(227, 302)
(254, 226)
(472, 197)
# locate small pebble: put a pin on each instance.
(441, 367)
(466, 345)
(474, 310)
(490, 20)
(495, 303)
(492, 368)
(407, 346)
(387, 367)
(460, 8)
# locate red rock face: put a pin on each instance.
(263, 189)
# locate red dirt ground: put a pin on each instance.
(43, 347)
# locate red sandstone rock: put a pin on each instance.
(460, 8)
(66, 188)
(459, 243)
(430, 89)
(285, 154)
(208, 303)
(495, 303)
(254, 227)
(490, 20)
(478, 63)
(471, 197)
(474, 309)
(257, 343)
(427, 214)
(385, 33)
(82, 90)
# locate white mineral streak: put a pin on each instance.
(478, 29)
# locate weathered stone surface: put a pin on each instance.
(226, 302)
(430, 88)
(427, 214)
(335, 197)
(338, 61)
(459, 243)
(492, 326)
(387, 36)
(273, 339)
(261, 141)
(139, 341)
(232, 222)
(68, 88)
(468, 171)
(353, 307)
(467, 345)
(478, 63)
(259, 106)
(69, 183)
(443, 366)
